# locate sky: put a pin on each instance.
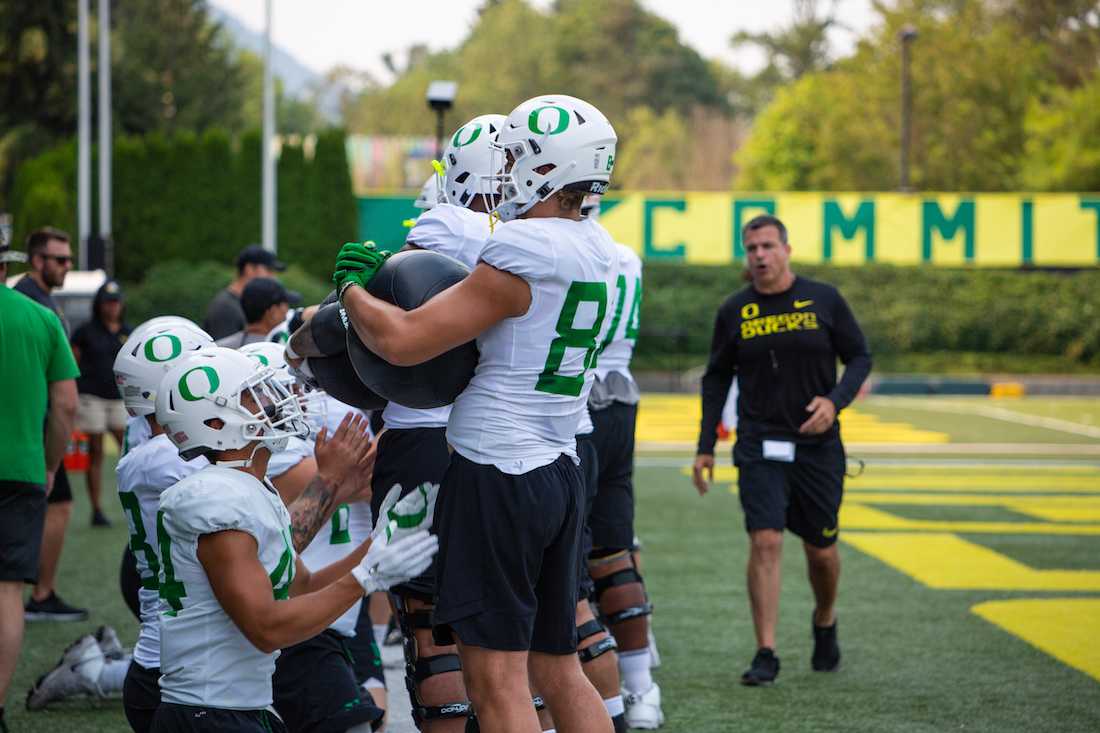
(324, 33)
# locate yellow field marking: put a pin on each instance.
(1065, 628)
(674, 418)
(1008, 480)
(861, 516)
(1049, 508)
(948, 562)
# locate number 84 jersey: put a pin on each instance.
(205, 660)
(522, 407)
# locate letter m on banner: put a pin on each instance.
(932, 217)
(834, 219)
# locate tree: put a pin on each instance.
(1063, 141)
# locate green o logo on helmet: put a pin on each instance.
(211, 377)
(261, 358)
(475, 133)
(562, 123)
(151, 350)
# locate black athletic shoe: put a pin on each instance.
(826, 650)
(52, 608)
(99, 519)
(763, 670)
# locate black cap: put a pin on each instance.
(254, 254)
(263, 292)
(109, 290)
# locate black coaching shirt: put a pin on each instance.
(783, 348)
(98, 348)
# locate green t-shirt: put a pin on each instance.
(33, 352)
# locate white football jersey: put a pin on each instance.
(144, 474)
(586, 427)
(328, 412)
(205, 660)
(617, 348)
(523, 407)
(137, 432)
(296, 451)
(457, 232)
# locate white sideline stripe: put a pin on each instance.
(1052, 449)
(999, 413)
(931, 463)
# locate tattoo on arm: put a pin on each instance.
(302, 342)
(311, 510)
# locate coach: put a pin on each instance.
(36, 365)
(781, 337)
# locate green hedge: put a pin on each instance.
(903, 310)
(197, 198)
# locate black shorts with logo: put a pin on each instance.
(141, 696)
(803, 496)
(612, 518)
(174, 718)
(366, 657)
(509, 552)
(410, 457)
(315, 690)
(22, 517)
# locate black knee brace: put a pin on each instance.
(601, 647)
(626, 576)
(418, 669)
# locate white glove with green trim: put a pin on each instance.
(388, 563)
(400, 518)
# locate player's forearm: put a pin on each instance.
(59, 421)
(326, 576)
(311, 510)
(290, 622)
(386, 329)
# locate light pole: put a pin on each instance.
(441, 97)
(267, 200)
(906, 35)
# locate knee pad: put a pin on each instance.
(622, 576)
(601, 647)
(418, 669)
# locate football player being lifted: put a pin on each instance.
(236, 590)
(511, 503)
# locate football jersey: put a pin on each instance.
(457, 232)
(137, 432)
(523, 406)
(205, 660)
(143, 475)
(618, 346)
(585, 427)
(296, 451)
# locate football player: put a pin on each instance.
(511, 502)
(235, 590)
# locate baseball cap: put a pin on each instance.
(254, 254)
(109, 290)
(7, 254)
(263, 292)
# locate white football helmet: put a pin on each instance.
(230, 386)
(469, 159)
(161, 322)
(148, 353)
(270, 354)
(430, 193)
(564, 132)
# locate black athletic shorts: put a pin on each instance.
(410, 457)
(314, 687)
(803, 496)
(508, 557)
(612, 519)
(366, 657)
(590, 470)
(141, 696)
(22, 517)
(62, 492)
(173, 718)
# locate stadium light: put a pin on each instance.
(906, 35)
(441, 97)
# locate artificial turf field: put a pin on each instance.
(970, 592)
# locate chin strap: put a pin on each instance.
(241, 462)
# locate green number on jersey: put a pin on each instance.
(579, 338)
(620, 298)
(138, 540)
(171, 590)
(633, 322)
(340, 534)
(279, 586)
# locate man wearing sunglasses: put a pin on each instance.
(50, 257)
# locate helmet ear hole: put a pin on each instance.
(215, 423)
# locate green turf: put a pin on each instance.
(928, 512)
(915, 659)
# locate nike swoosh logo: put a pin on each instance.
(830, 532)
(802, 303)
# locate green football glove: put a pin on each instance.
(356, 265)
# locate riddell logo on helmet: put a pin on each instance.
(599, 187)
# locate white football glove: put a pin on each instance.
(414, 512)
(388, 563)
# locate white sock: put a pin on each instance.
(380, 634)
(634, 667)
(361, 728)
(614, 706)
(113, 675)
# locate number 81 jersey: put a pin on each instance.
(205, 660)
(522, 407)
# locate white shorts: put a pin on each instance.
(97, 415)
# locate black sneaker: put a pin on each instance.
(763, 670)
(99, 519)
(826, 656)
(52, 608)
